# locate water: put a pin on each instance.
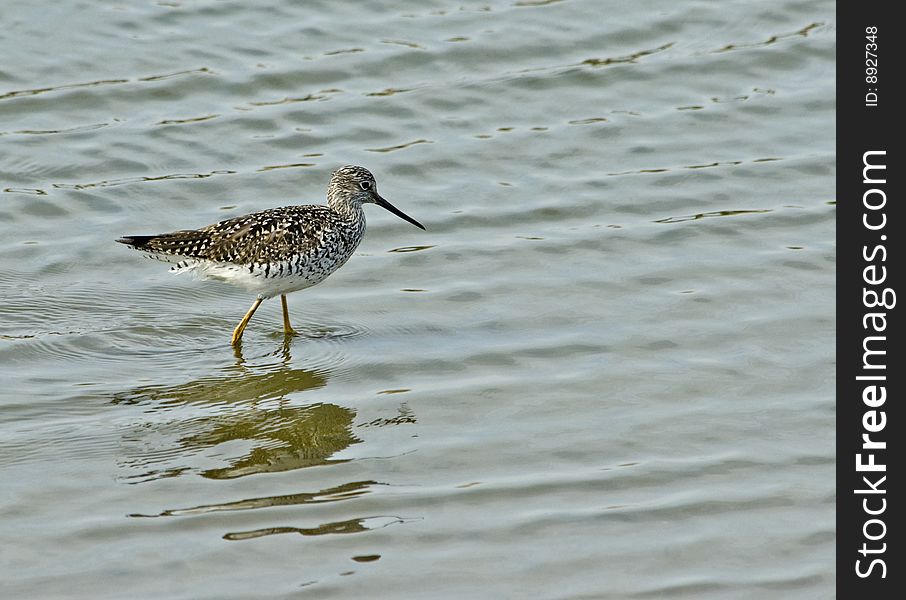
(605, 371)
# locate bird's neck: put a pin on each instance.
(346, 208)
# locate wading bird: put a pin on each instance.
(275, 251)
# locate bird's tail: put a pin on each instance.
(180, 247)
(136, 241)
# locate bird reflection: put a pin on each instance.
(349, 526)
(346, 491)
(291, 438)
(248, 413)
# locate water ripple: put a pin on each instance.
(771, 40)
(723, 163)
(405, 249)
(286, 166)
(628, 58)
(532, 3)
(359, 525)
(128, 180)
(713, 213)
(189, 120)
(73, 129)
(399, 147)
(98, 83)
(69, 86)
(338, 493)
(389, 92)
(288, 100)
(29, 191)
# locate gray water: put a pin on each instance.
(604, 371)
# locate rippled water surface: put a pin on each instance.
(604, 371)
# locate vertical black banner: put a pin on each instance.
(870, 372)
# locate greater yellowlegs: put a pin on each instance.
(275, 251)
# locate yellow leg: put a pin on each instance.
(287, 328)
(237, 333)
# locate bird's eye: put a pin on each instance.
(365, 185)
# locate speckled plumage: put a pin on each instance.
(276, 251)
(271, 252)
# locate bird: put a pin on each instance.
(277, 251)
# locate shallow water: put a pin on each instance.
(604, 371)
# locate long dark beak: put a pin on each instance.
(384, 204)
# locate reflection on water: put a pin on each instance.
(713, 213)
(249, 405)
(772, 39)
(334, 494)
(350, 526)
(249, 421)
(306, 437)
(236, 384)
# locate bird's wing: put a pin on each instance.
(270, 235)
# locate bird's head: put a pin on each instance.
(354, 186)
